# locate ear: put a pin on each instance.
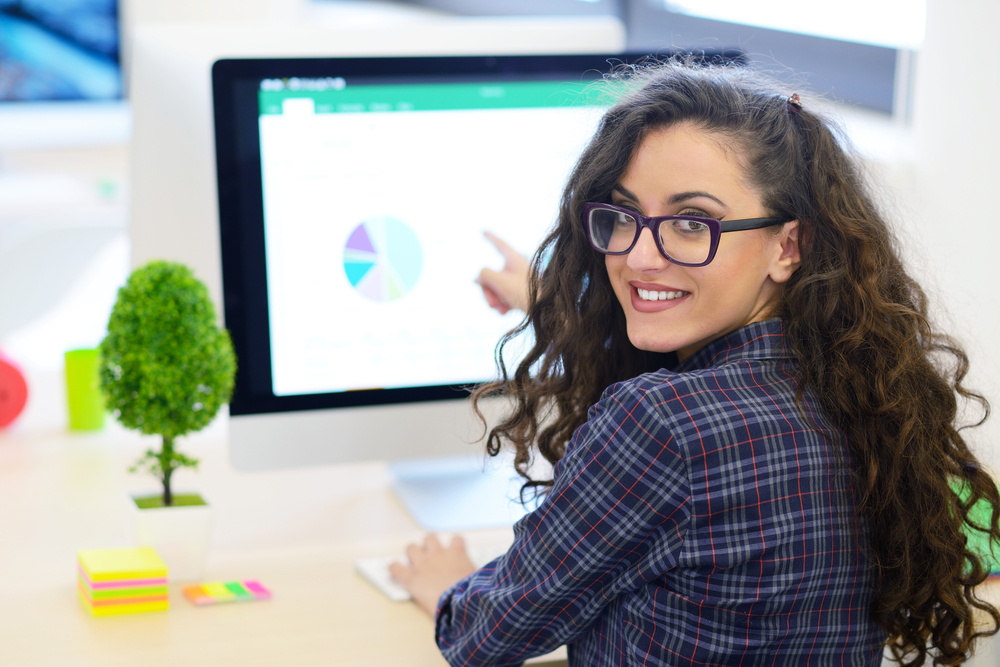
(787, 258)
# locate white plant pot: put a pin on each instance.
(180, 535)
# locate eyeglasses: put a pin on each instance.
(688, 240)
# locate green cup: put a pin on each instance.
(83, 395)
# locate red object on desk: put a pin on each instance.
(13, 391)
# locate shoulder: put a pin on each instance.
(627, 421)
(704, 402)
(701, 389)
(625, 442)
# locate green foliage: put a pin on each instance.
(166, 367)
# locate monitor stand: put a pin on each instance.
(460, 493)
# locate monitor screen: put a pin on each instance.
(54, 50)
(354, 194)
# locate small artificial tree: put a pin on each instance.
(166, 367)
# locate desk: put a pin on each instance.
(298, 532)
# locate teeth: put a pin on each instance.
(649, 295)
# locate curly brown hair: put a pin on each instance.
(856, 322)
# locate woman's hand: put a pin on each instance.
(506, 289)
(432, 570)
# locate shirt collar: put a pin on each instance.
(757, 340)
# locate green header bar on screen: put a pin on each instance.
(440, 97)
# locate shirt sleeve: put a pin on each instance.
(613, 521)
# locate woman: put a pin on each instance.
(752, 422)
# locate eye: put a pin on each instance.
(624, 221)
(690, 226)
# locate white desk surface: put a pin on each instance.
(297, 531)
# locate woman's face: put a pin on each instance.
(682, 169)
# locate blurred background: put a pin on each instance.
(911, 80)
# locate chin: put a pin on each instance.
(653, 343)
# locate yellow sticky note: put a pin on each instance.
(219, 591)
(119, 564)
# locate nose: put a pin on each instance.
(645, 256)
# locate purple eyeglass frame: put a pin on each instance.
(715, 229)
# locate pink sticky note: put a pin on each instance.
(259, 592)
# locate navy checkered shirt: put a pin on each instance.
(700, 517)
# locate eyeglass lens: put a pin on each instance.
(687, 241)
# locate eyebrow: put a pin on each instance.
(674, 199)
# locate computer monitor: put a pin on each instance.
(60, 77)
(353, 197)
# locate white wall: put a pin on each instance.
(954, 191)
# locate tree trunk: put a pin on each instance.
(167, 466)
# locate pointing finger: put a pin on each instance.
(509, 254)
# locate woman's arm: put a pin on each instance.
(613, 521)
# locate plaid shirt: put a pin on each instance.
(699, 517)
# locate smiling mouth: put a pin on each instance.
(653, 295)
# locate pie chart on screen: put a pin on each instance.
(382, 259)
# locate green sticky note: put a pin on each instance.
(237, 589)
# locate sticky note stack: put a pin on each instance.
(122, 581)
